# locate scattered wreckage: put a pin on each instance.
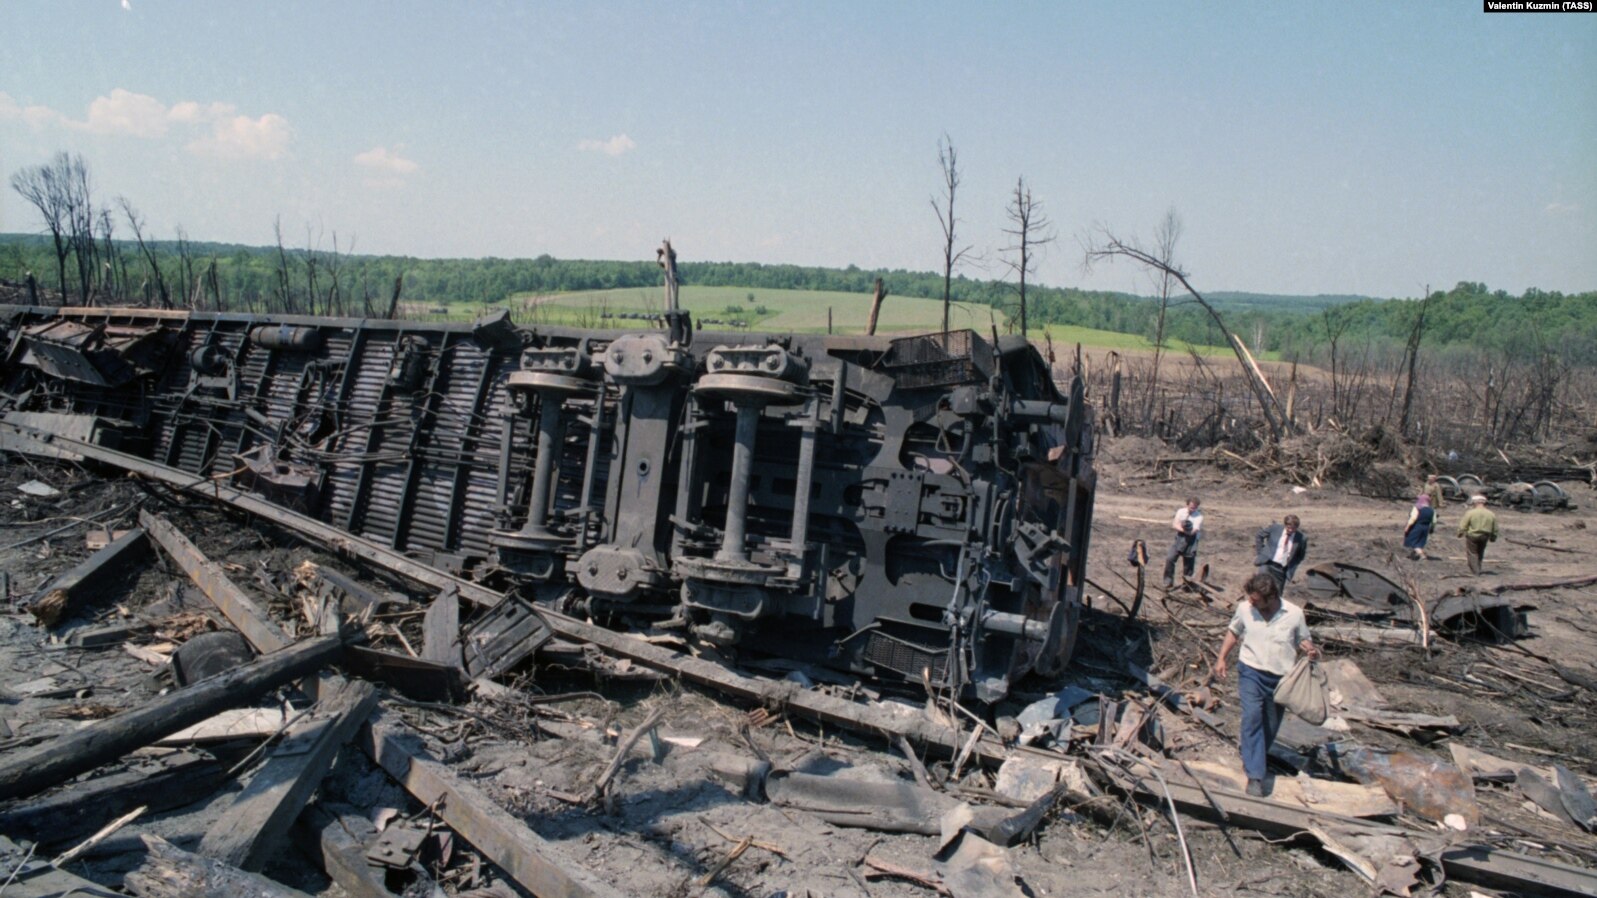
(911, 509)
(538, 493)
(1370, 596)
(1524, 495)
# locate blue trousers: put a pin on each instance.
(1261, 717)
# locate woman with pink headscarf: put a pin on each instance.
(1420, 520)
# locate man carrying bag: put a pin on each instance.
(1271, 632)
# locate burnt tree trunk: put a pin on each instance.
(876, 307)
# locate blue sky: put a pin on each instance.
(1353, 147)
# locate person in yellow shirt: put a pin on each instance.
(1477, 528)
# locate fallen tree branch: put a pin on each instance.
(881, 868)
(1520, 542)
(1575, 583)
(734, 854)
(624, 747)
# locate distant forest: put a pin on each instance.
(317, 281)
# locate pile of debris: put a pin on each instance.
(266, 717)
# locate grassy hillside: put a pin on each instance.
(780, 310)
(798, 311)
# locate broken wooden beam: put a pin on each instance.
(234, 603)
(1482, 864)
(441, 629)
(170, 872)
(167, 783)
(27, 772)
(71, 591)
(31, 876)
(108, 634)
(1368, 635)
(329, 840)
(1512, 871)
(251, 826)
(350, 596)
(531, 861)
(501, 838)
(863, 718)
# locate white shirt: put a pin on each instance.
(1196, 517)
(1270, 645)
(1283, 549)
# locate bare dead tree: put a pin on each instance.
(114, 265)
(335, 269)
(1335, 326)
(285, 299)
(1031, 232)
(190, 286)
(1108, 247)
(44, 187)
(393, 299)
(948, 161)
(312, 263)
(876, 307)
(1165, 238)
(213, 285)
(80, 225)
(1411, 355)
(152, 264)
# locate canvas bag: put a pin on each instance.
(1304, 692)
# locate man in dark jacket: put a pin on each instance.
(1278, 550)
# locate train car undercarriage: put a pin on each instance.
(911, 510)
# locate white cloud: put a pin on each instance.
(128, 114)
(1556, 208)
(384, 160)
(242, 137)
(125, 112)
(189, 112)
(43, 117)
(615, 146)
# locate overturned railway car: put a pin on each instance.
(913, 509)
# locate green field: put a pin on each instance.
(795, 311)
(792, 311)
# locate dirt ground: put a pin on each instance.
(669, 823)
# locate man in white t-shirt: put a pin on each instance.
(1272, 632)
(1188, 525)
